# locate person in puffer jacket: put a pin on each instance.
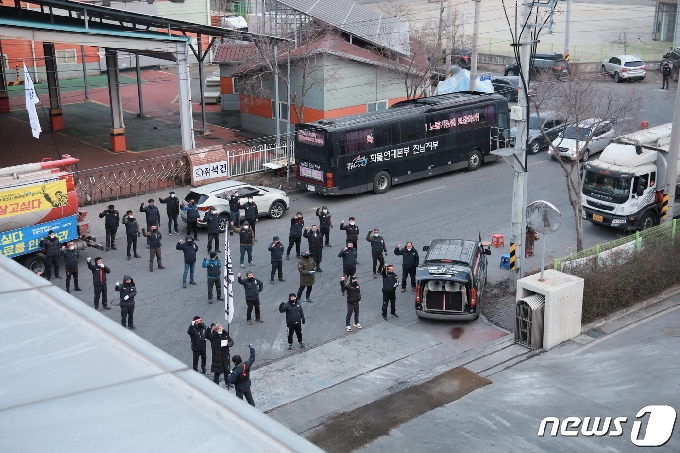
(295, 317)
(128, 291)
(99, 272)
(111, 222)
(297, 225)
(253, 287)
(192, 217)
(214, 267)
(52, 248)
(71, 256)
(189, 248)
(353, 291)
(132, 233)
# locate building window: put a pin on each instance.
(376, 106)
(67, 56)
(283, 111)
(234, 82)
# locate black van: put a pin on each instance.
(450, 282)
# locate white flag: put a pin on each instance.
(228, 284)
(31, 100)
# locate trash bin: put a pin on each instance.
(529, 321)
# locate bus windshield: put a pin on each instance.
(606, 184)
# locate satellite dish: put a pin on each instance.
(543, 217)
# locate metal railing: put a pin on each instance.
(254, 155)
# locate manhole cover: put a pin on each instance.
(671, 331)
(595, 333)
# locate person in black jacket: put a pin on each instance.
(71, 256)
(52, 248)
(246, 240)
(128, 291)
(99, 272)
(410, 263)
(666, 73)
(295, 317)
(111, 222)
(378, 247)
(352, 231)
(196, 332)
(325, 223)
(253, 288)
(212, 221)
(172, 210)
(132, 233)
(250, 213)
(192, 217)
(389, 290)
(240, 376)
(153, 217)
(189, 248)
(315, 239)
(214, 267)
(154, 237)
(353, 300)
(220, 342)
(297, 224)
(276, 250)
(234, 210)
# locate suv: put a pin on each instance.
(571, 141)
(271, 202)
(450, 282)
(625, 67)
(544, 63)
(550, 123)
(672, 58)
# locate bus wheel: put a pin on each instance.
(382, 182)
(474, 161)
(36, 263)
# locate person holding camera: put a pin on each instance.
(220, 342)
(378, 247)
(172, 209)
(297, 225)
(132, 233)
(240, 376)
(295, 317)
(111, 222)
(154, 237)
(197, 331)
(214, 267)
(253, 288)
(99, 272)
(276, 250)
(128, 291)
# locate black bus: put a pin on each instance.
(410, 140)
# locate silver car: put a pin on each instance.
(625, 67)
(572, 141)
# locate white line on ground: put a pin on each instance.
(417, 193)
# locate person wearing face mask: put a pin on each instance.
(128, 291)
(234, 210)
(154, 237)
(52, 252)
(295, 317)
(352, 231)
(196, 332)
(71, 256)
(240, 376)
(250, 213)
(153, 217)
(212, 221)
(276, 250)
(389, 290)
(409, 265)
(325, 223)
(253, 288)
(220, 342)
(172, 210)
(189, 248)
(315, 239)
(307, 269)
(378, 247)
(111, 222)
(297, 225)
(246, 239)
(353, 300)
(132, 233)
(99, 272)
(214, 267)
(192, 217)
(349, 263)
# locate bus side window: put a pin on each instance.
(502, 118)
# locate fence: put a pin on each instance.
(256, 155)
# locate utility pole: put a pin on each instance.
(673, 152)
(277, 107)
(475, 33)
(566, 31)
(449, 37)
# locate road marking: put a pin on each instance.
(417, 193)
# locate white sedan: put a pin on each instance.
(580, 142)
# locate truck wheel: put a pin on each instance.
(648, 220)
(474, 161)
(223, 222)
(276, 210)
(36, 263)
(382, 182)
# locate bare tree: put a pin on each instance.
(622, 40)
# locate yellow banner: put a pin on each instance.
(27, 199)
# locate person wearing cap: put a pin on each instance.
(71, 256)
(307, 269)
(253, 287)
(409, 265)
(189, 248)
(250, 213)
(240, 376)
(351, 287)
(234, 210)
(214, 267)
(172, 209)
(192, 217)
(128, 291)
(315, 245)
(325, 223)
(276, 250)
(153, 217)
(132, 233)
(154, 237)
(378, 247)
(352, 231)
(52, 248)
(389, 290)
(212, 221)
(111, 221)
(246, 240)
(196, 332)
(297, 225)
(99, 272)
(295, 317)
(220, 342)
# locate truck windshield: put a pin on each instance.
(576, 133)
(606, 184)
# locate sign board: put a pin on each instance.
(27, 239)
(211, 170)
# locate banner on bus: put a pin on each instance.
(27, 239)
(40, 197)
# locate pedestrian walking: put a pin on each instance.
(111, 222)
(352, 231)
(197, 331)
(234, 210)
(71, 256)
(250, 213)
(325, 223)
(240, 376)
(410, 262)
(172, 209)
(214, 267)
(128, 291)
(295, 317)
(154, 237)
(246, 240)
(297, 225)
(220, 342)
(189, 248)
(276, 250)
(351, 287)
(349, 263)
(153, 217)
(253, 287)
(52, 248)
(378, 247)
(389, 290)
(99, 272)
(212, 221)
(306, 268)
(192, 217)
(131, 233)
(666, 73)
(315, 245)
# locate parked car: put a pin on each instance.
(506, 86)
(625, 67)
(551, 123)
(461, 57)
(544, 63)
(270, 202)
(672, 58)
(570, 141)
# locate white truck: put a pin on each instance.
(625, 187)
